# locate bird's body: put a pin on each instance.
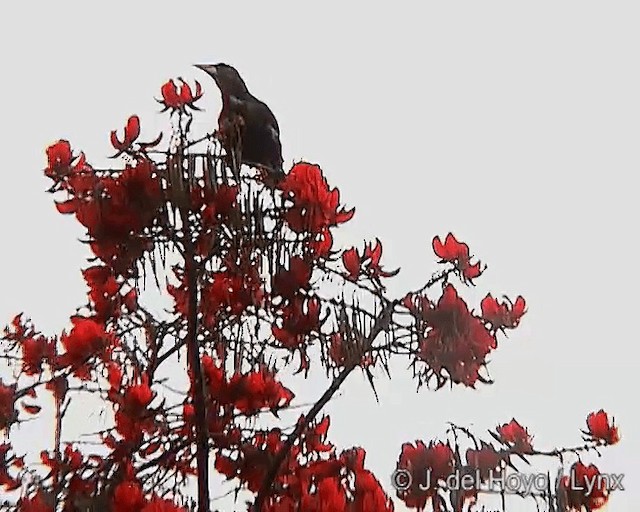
(246, 125)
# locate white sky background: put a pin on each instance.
(516, 127)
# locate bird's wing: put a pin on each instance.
(265, 112)
(252, 108)
(260, 128)
(263, 116)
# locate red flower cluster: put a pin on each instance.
(214, 206)
(287, 283)
(249, 393)
(599, 428)
(105, 293)
(36, 349)
(584, 487)
(516, 437)
(87, 339)
(179, 97)
(456, 341)
(315, 206)
(75, 467)
(298, 314)
(367, 263)
(427, 465)
(115, 210)
(133, 417)
(39, 502)
(329, 483)
(457, 253)
(7, 461)
(128, 496)
(299, 318)
(231, 292)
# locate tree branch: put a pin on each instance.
(193, 354)
(380, 324)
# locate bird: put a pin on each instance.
(246, 125)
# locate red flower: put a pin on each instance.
(114, 206)
(7, 482)
(351, 262)
(231, 292)
(486, 460)
(298, 322)
(60, 162)
(585, 486)
(137, 397)
(288, 282)
(316, 436)
(86, 339)
(38, 503)
(315, 206)
(131, 133)
(161, 505)
(178, 98)
(456, 341)
(36, 351)
(457, 253)
(258, 390)
(516, 437)
(321, 243)
(105, 293)
(427, 465)
(132, 415)
(59, 158)
(249, 393)
(116, 211)
(367, 263)
(329, 495)
(503, 315)
(369, 495)
(128, 497)
(8, 413)
(599, 427)
(72, 460)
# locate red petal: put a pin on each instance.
(132, 130)
(186, 96)
(351, 262)
(437, 246)
(31, 409)
(345, 216)
(489, 306)
(198, 91)
(170, 94)
(67, 207)
(519, 306)
(115, 142)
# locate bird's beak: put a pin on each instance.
(207, 68)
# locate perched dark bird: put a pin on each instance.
(246, 125)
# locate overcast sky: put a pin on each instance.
(515, 125)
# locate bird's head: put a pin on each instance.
(227, 78)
